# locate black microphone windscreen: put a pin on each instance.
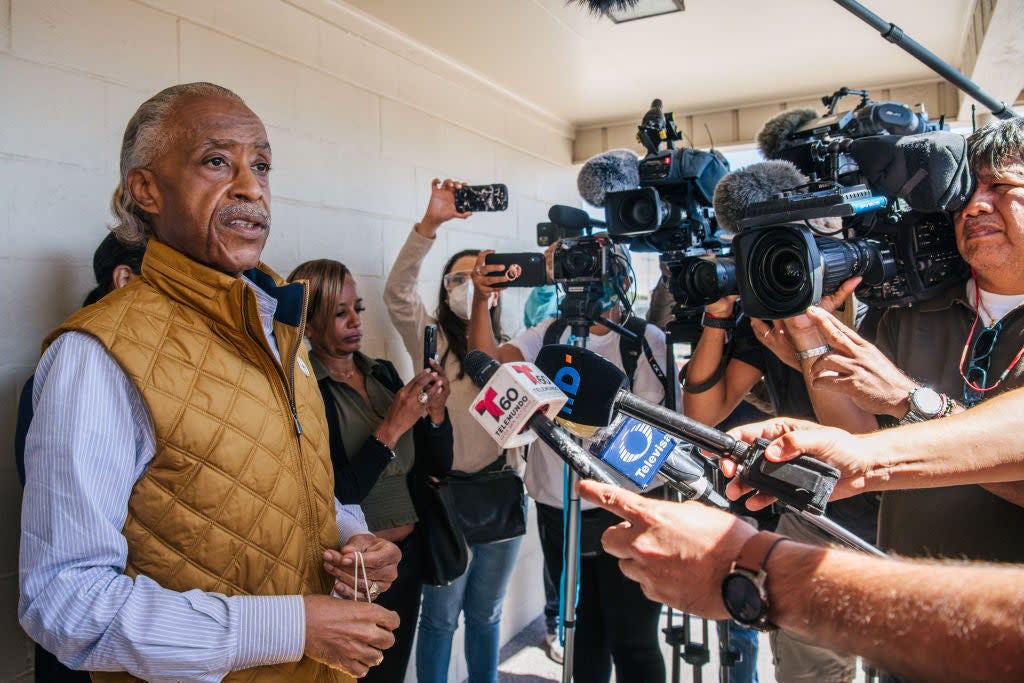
(571, 217)
(590, 381)
(613, 171)
(930, 171)
(749, 185)
(479, 366)
(774, 135)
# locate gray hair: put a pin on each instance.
(997, 145)
(145, 139)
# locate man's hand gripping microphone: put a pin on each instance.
(802, 483)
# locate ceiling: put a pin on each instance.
(585, 69)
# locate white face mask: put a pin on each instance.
(460, 299)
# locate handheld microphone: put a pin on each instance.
(595, 389)
(513, 397)
(644, 455)
(569, 217)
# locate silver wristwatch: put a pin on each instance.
(925, 404)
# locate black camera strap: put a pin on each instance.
(715, 378)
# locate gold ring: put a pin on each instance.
(374, 591)
(423, 398)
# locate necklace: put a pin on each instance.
(344, 376)
(982, 308)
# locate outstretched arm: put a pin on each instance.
(481, 333)
(971, 447)
(924, 620)
(404, 304)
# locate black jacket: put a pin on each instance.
(354, 477)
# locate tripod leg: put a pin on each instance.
(572, 558)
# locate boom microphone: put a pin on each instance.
(569, 217)
(595, 389)
(774, 135)
(754, 183)
(504, 413)
(612, 171)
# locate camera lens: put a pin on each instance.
(784, 270)
(699, 281)
(787, 268)
(639, 212)
(843, 259)
(642, 213)
(580, 263)
(779, 270)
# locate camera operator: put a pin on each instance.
(736, 352)
(961, 347)
(614, 621)
(922, 619)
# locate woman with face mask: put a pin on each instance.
(480, 591)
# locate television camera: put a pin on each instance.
(802, 243)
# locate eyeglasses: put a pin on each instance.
(456, 279)
(976, 376)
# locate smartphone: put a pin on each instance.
(526, 269)
(481, 198)
(429, 345)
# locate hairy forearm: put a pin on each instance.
(925, 620)
(976, 446)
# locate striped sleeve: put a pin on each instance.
(89, 442)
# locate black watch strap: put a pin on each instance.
(718, 323)
(755, 552)
(750, 568)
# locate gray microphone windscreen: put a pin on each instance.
(611, 171)
(602, 6)
(773, 136)
(755, 183)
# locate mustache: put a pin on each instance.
(972, 221)
(246, 211)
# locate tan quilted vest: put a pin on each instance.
(235, 501)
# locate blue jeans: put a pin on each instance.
(744, 641)
(479, 593)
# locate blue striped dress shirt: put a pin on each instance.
(90, 441)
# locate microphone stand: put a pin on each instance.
(685, 328)
(579, 307)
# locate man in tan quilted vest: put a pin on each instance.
(179, 521)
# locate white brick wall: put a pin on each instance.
(360, 120)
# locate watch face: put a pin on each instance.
(742, 598)
(926, 402)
